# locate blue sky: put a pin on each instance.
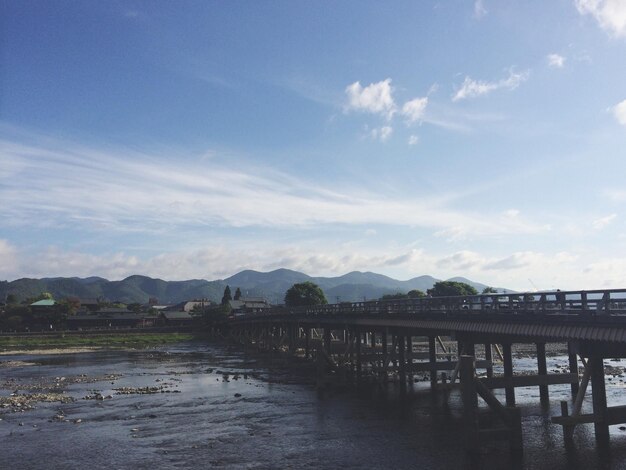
(194, 139)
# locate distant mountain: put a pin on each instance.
(350, 287)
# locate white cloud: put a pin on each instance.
(382, 133)
(556, 61)
(413, 140)
(610, 14)
(376, 98)
(414, 110)
(603, 222)
(479, 9)
(619, 111)
(472, 88)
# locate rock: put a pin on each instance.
(237, 395)
(77, 421)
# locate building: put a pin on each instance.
(43, 307)
(169, 318)
(247, 305)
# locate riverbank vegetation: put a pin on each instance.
(105, 340)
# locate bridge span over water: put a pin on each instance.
(457, 340)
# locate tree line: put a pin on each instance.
(308, 293)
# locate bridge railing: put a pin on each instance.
(591, 302)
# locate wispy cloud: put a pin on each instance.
(603, 222)
(610, 14)
(376, 98)
(471, 88)
(65, 185)
(413, 140)
(382, 133)
(556, 61)
(479, 9)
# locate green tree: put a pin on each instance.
(415, 293)
(227, 297)
(134, 307)
(215, 314)
(451, 288)
(238, 294)
(489, 290)
(305, 293)
(68, 306)
(42, 296)
(11, 299)
(396, 296)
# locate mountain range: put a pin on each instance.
(272, 285)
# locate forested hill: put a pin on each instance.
(272, 285)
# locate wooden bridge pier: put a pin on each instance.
(592, 356)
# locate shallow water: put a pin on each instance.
(277, 422)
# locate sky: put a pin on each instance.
(195, 139)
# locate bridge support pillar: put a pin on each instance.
(508, 373)
(470, 399)
(432, 357)
(307, 342)
(401, 363)
(573, 366)
(291, 338)
(542, 370)
(350, 336)
(489, 359)
(409, 357)
(358, 337)
(385, 354)
(327, 341)
(465, 348)
(598, 389)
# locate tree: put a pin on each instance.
(11, 299)
(238, 294)
(305, 293)
(396, 296)
(43, 296)
(134, 307)
(227, 297)
(489, 290)
(451, 288)
(415, 294)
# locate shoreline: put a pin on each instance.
(57, 350)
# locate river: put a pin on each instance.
(212, 406)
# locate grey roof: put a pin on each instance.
(120, 316)
(176, 315)
(43, 303)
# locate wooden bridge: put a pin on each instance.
(378, 342)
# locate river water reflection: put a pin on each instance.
(216, 407)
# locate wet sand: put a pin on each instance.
(52, 351)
